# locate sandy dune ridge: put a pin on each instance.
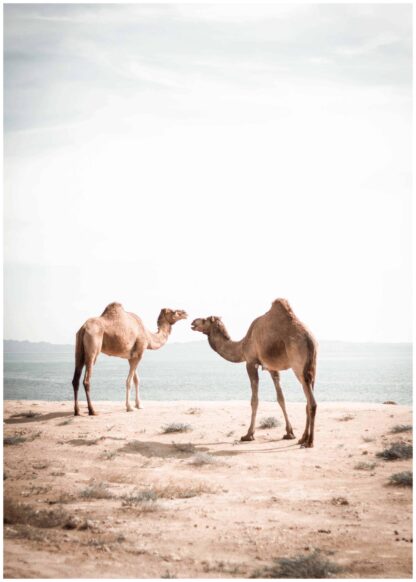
(113, 496)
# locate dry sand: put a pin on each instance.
(238, 509)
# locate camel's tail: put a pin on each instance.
(309, 371)
(79, 355)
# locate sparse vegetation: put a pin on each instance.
(346, 417)
(397, 450)
(97, 491)
(108, 455)
(312, 565)
(404, 479)
(200, 459)
(29, 414)
(21, 513)
(364, 466)
(401, 428)
(176, 427)
(14, 440)
(193, 411)
(136, 497)
(269, 422)
(339, 501)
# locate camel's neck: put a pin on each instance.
(226, 348)
(158, 340)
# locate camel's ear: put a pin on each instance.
(211, 318)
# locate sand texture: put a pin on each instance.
(112, 496)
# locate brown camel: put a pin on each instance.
(277, 341)
(118, 333)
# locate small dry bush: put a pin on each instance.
(269, 422)
(137, 497)
(310, 566)
(29, 414)
(339, 501)
(346, 417)
(108, 455)
(404, 479)
(398, 450)
(174, 491)
(176, 427)
(21, 513)
(14, 440)
(97, 491)
(401, 428)
(203, 459)
(365, 466)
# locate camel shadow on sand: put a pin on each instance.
(151, 449)
(24, 419)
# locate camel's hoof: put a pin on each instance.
(247, 437)
(76, 413)
(130, 409)
(289, 436)
(306, 446)
(139, 407)
(92, 413)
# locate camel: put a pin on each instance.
(118, 333)
(277, 341)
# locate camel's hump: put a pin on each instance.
(112, 308)
(283, 305)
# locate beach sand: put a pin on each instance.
(216, 508)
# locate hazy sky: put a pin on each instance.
(209, 158)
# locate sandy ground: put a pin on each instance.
(167, 511)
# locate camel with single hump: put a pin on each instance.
(118, 333)
(277, 340)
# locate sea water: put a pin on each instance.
(346, 372)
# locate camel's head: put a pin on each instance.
(172, 315)
(206, 325)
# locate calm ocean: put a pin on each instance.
(346, 372)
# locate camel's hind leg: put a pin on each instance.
(311, 406)
(254, 380)
(281, 400)
(132, 372)
(75, 384)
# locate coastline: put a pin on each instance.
(232, 512)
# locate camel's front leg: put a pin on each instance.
(254, 380)
(281, 400)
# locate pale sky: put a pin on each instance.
(209, 158)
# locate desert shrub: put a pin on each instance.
(365, 466)
(398, 450)
(22, 513)
(404, 479)
(29, 414)
(108, 455)
(14, 440)
(176, 427)
(312, 565)
(175, 491)
(401, 428)
(268, 422)
(200, 459)
(346, 417)
(139, 496)
(339, 501)
(96, 491)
